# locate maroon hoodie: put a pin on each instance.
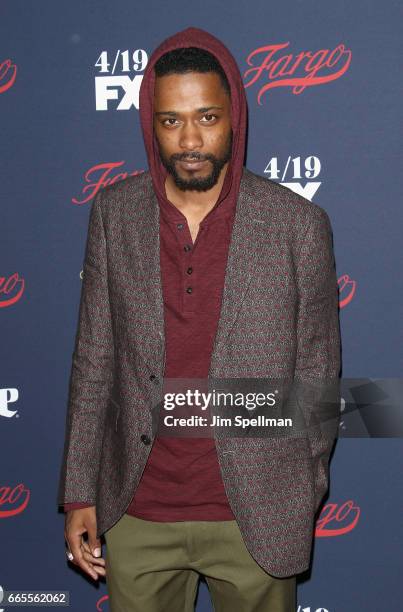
(195, 37)
(182, 479)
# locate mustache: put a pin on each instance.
(191, 157)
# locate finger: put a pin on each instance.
(88, 556)
(94, 542)
(74, 542)
(96, 568)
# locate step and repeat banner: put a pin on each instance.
(324, 89)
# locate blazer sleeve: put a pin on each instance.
(318, 345)
(92, 369)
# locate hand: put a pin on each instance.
(78, 522)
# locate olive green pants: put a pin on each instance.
(155, 567)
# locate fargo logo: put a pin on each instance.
(121, 89)
(11, 289)
(347, 288)
(100, 605)
(8, 74)
(13, 501)
(7, 397)
(99, 176)
(304, 70)
(337, 520)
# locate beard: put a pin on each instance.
(203, 183)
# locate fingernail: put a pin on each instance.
(97, 552)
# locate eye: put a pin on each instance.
(169, 119)
(209, 116)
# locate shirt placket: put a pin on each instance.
(189, 265)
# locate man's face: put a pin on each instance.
(192, 121)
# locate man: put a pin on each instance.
(197, 268)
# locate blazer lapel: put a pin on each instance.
(246, 249)
(146, 249)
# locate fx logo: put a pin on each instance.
(110, 88)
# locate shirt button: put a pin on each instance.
(145, 439)
(189, 290)
(187, 247)
(179, 226)
(189, 270)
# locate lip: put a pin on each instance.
(196, 165)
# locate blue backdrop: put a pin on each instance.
(324, 90)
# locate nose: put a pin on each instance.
(190, 137)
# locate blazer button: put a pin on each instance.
(153, 378)
(145, 439)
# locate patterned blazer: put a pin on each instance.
(279, 318)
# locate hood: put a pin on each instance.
(195, 37)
